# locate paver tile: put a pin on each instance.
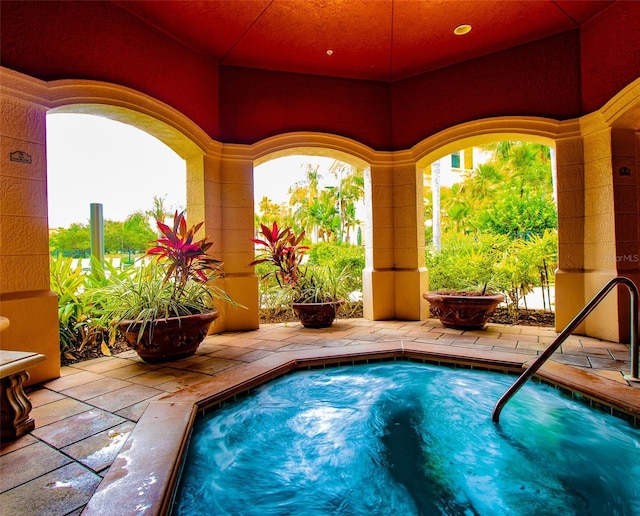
(575, 360)
(230, 352)
(158, 376)
(246, 342)
(100, 365)
(612, 375)
(209, 347)
(118, 399)
(76, 428)
(254, 355)
(180, 382)
(58, 410)
(609, 364)
(532, 346)
(43, 396)
(132, 370)
(16, 444)
(55, 494)
(100, 450)
(135, 411)
(72, 380)
(28, 463)
(93, 389)
(269, 345)
(213, 365)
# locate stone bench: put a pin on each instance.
(14, 404)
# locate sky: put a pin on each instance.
(91, 159)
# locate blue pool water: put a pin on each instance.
(409, 439)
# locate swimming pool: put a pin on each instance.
(405, 438)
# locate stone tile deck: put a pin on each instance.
(84, 418)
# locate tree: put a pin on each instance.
(350, 192)
(137, 233)
(327, 213)
(132, 236)
(519, 217)
(74, 241)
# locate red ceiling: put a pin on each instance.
(382, 40)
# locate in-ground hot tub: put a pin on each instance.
(406, 438)
(142, 478)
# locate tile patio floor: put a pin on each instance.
(84, 417)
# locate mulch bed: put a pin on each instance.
(501, 316)
(525, 318)
(541, 318)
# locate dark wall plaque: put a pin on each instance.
(20, 157)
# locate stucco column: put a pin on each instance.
(570, 296)
(25, 297)
(600, 254)
(236, 174)
(625, 160)
(220, 192)
(598, 227)
(411, 277)
(395, 277)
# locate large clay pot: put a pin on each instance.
(170, 339)
(316, 315)
(463, 310)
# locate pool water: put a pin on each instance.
(408, 439)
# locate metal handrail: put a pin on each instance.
(582, 315)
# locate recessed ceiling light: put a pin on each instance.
(461, 30)
(329, 52)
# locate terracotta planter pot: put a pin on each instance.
(463, 310)
(316, 315)
(171, 339)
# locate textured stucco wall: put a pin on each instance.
(538, 79)
(610, 53)
(25, 298)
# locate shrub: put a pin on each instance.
(341, 257)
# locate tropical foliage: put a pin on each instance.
(131, 236)
(328, 213)
(176, 277)
(498, 226)
(511, 194)
(181, 279)
(80, 302)
(282, 249)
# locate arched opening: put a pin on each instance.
(503, 269)
(132, 175)
(491, 226)
(319, 192)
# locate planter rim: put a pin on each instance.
(203, 315)
(462, 295)
(324, 303)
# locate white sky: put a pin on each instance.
(92, 159)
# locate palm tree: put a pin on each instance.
(350, 192)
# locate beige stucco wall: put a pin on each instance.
(25, 298)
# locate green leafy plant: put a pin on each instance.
(79, 303)
(467, 263)
(67, 283)
(179, 280)
(495, 263)
(282, 249)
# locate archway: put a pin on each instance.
(320, 193)
(491, 225)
